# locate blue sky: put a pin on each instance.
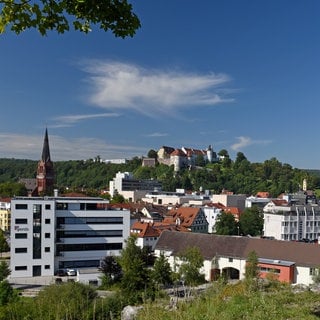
(237, 75)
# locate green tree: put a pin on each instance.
(251, 221)
(152, 154)
(4, 247)
(161, 272)
(70, 300)
(118, 198)
(11, 189)
(7, 294)
(252, 270)
(111, 270)
(135, 281)
(226, 224)
(4, 270)
(59, 15)
(191, 262)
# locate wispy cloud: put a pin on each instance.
(156, 135)
(30, 147)
(68, 120)
(244, 142)
(115, 85)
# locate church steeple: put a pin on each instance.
(45, 150)
(45, 172)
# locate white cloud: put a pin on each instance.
(30, 147)
(156, 134)
(68, 120)
(244, 142)
(117, 85)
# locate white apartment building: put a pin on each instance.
(292, 222)
(131, 189)
(51, 233)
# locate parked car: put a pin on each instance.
(61, 273)
(71, 272)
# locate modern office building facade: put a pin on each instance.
(50, 233)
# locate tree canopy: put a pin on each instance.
(59, 15)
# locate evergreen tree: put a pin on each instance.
(161, 272)
(226, 224)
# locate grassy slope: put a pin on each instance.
(236, 302)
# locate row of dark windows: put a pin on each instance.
(89, 233)
(25, 221)
(24, 206)
(24, 235)
(89, 220)
(25, 250)
(24, 268)
(89, 247)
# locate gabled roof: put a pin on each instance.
(142, 230)
(303, 254)
(187, 215)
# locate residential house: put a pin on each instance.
(291, 262)
(192, 218)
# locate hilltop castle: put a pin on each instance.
(185, 157)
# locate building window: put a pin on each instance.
(20, 268)
(47, 207)
(47, 249)
(21, 206)
(230, 259)
(21, 221)
(20, 250)
(47, 221)
(47, 235)
(21, 236)
(47, 266)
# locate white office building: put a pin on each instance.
(52, 233)
(291, 222)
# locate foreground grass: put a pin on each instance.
(238, 302)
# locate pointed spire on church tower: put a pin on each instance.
(45, 150)
(45, 172)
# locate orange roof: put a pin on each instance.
(142, 230)
(186, 215)
(263, 194)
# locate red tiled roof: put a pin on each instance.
(186, 215)
(177, 152)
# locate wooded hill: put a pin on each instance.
(238, 176)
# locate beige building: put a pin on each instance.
(5, 214)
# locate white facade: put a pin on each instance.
(125, 184)
(53, 233)
(212, 214)
(292, 222)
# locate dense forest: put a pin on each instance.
(238, 175)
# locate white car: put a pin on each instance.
(71, 272)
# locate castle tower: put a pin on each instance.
(45, 172)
